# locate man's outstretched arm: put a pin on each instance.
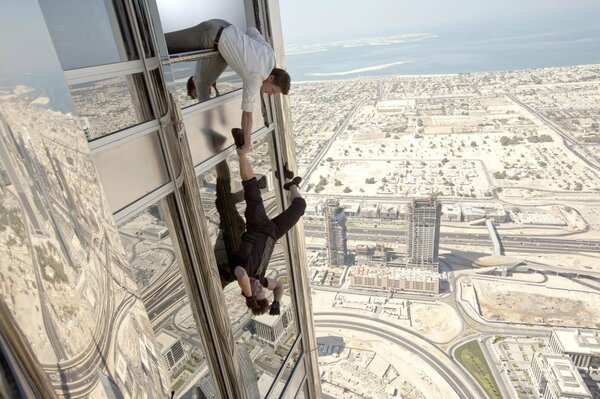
(247, 128)
(243, 281)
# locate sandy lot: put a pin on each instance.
(439, 322)
(539, 304)
(406, 372)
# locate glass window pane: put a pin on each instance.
(287, 371)
(149, 243)
(227, 82)
(89, 33)
(303, 393)
(64, 273)
(268, 339)
(113, 104)
(144, 28)
(176, 15)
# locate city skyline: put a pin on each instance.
(489, 146)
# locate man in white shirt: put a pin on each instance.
(249, 55)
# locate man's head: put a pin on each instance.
(264, 306)
(278, 82)
(260, 295)
(191, 88)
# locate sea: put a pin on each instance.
(444, 52)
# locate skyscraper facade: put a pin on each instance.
(335, 232)
(109, 235)
(423, 232)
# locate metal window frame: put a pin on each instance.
(144, 202)
(102, 72)
(206, 300)
(111, 140)
(211, 162)
(297, 345)
(211, 103)
(192, 56)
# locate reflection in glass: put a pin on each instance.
(109, 105)
(86, 34)
(303, 392)
(144, 28)
(64, 274)
(286, 372)
(223, 83)
(149, 245)
(267, 339)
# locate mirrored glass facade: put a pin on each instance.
(120, 198)
(150, 246)
(269, 339)
(90, 34)
(110, 105)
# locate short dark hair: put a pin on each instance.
(264, 306)
(190, 86)
(281, 79)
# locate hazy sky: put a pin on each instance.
(322, 20)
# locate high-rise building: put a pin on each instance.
(112, 231)
(335, 232)
(273, 330)
(423, 232)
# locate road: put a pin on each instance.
(461, 382)
(573, 145)
(315, 162)
(514, 243)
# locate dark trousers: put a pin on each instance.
(256, 215)
(257, 221)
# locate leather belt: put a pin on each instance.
(216, 46)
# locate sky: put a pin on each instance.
(310, 21)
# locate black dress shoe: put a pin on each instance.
(286, 172)
(238, 137)
(295, 182)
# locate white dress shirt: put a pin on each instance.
(251, 57)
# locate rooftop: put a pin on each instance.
(394, 272)
(269, 320)
(575, 340)
(566, 376)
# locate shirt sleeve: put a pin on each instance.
(250, 93)
(256, 36)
